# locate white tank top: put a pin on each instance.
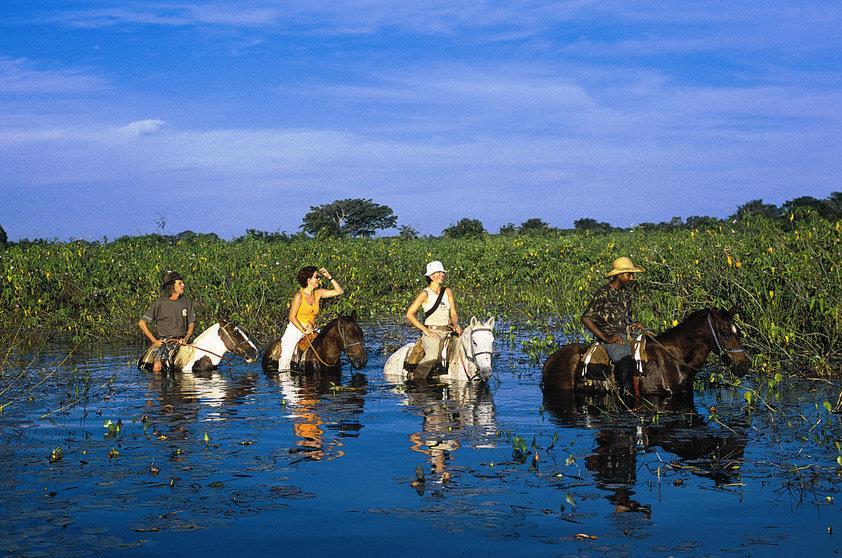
(441, 317)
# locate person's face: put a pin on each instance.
(178, 287)
(438, 277)
(626, 278)
(313, 281)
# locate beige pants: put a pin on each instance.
(432, 354)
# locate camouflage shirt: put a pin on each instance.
(610, 309)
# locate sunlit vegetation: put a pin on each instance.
(785, 275)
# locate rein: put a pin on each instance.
(345, 345)
(652, 337)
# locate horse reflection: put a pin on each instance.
(319, 402)
(452, 413)
(620, 436)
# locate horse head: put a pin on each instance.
(352, 340)
(727, 339)
(236, 340)
(478, 342)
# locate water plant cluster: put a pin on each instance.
(785, 275)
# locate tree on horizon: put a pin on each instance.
(349, 217)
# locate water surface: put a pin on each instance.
(239, 462)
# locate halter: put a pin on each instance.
(716, 339)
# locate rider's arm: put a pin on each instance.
(591, 326)
(413, 310)
(190, 327)
(145, 329)
(454, 316)
(335, 290)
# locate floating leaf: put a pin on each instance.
(56, 455)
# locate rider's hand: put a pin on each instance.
(324, 273)
(457, 329)
(157, 343)
(182, 341)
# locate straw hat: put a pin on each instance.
(434, 267)
(623, 265)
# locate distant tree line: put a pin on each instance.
(359, 217)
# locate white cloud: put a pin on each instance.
(19, 77)
(142, 127)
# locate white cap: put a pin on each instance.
(434, 267)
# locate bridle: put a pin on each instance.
(345, 344)
(716, 338)
(236, 350)
(472, 358)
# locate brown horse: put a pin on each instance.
(673, 357)
(339, 335)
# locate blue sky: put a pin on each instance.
(225, 116)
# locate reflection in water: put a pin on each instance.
(319, 401)
(184, 394)
(672, 424)
(451, 412)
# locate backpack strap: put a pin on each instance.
(435, 306)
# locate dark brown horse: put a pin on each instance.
(673, 357)
(339, 335)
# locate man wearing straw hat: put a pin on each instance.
(173, 318)
(609, 316)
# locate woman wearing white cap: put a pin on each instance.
(440, 318)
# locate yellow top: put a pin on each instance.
(306, 312)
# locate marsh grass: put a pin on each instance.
(785, 277)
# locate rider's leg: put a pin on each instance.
(432, 350)
(292, 335)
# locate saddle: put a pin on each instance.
(304, 344)
(147, 358)
(596, 364)
(416, 354)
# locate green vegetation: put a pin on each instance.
(784, 274)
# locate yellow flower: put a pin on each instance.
(738, 264)
(771, 294)
(730, 261)
(674, 323)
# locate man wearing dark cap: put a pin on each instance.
(171, 316)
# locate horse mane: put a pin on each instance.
(688, 322)
(327, 328)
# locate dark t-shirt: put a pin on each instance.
(170, 318)
(610, 309)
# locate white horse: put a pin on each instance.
(208, 349)
(471, 361)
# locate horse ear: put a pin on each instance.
(473, 322)
(490, 323)
(222, 319)
(735, 309)
(354, 315)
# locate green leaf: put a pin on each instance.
(828, 407)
